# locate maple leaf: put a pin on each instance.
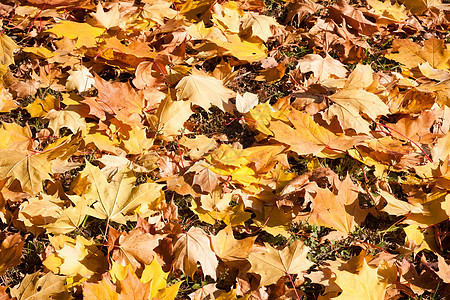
(103, 289)
(362, 285)
(171, 116)
(70, 218)
(135, 248)
(80, 79)
(411, 54)
(259, 25)
(65, 118)
(10, 251)
(158, 10)
(310, 138)
(107, 19)
(31, 170)
(79, 257)
(35, 286)
(350, 104)
(198, 146)
(228, 248)
(388, 12)
(323, 68)
(39, 211)
(7, 47)
(40, 107)
(192, 247)
(122, 99)
(204, 91)
(246, 102)
(116, 200)
(273, 264)
(14, 136)
(354, 17)
(85, 34)
(339, 211)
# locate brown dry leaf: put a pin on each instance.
(415, 128)
(191, 247)
(341, 211)
(353, 17)
(204, 91)
(3, 294)
(411, 54)
(273, 264)
(35, 286)
(206, 179)
(10, 251)
(301, 9)
(135, 248)
(122, 99)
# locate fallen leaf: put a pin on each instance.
(362, 285)
(204, 91)
(10, 251)
(273, 264)
(108, 19)
(323, 68)
(7, 47)
(228, 248)
(310, 138)
(80, 79)
(118, 199)
(36, 285)
(84, 34)
(259, 25)
(191, 247)
(135, 248)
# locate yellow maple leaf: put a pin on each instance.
(7, 47)
(85, 34)
(118, 199)
(78, 258)
(360, 286)
(228, 248)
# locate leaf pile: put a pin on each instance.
(219, 150)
